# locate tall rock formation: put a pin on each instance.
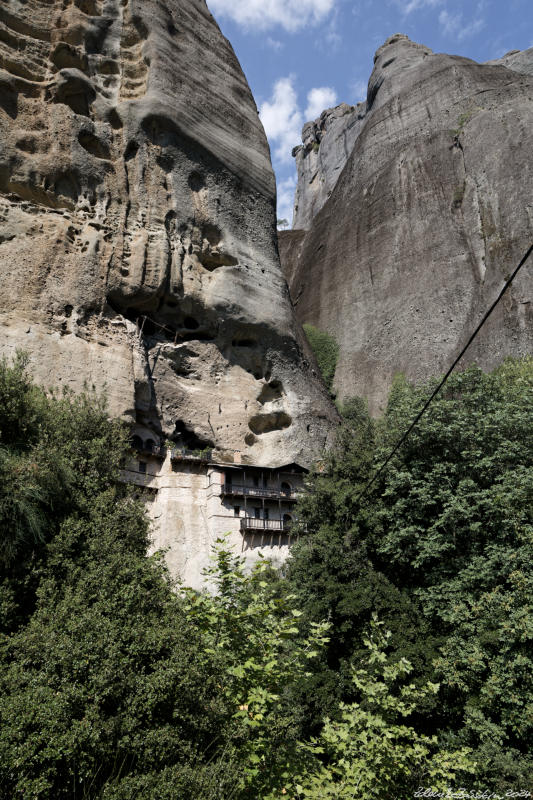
(414, 207)
(137, 226)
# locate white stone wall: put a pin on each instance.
(188, 514)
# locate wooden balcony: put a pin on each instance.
(251, 525)
(181, 454)
(149, 449)
(237, 490)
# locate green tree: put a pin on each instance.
(448, 527)
(370, 750)
(326, 352)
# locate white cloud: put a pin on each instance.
(282, 118)
(286, 190)
(318, 99)
(453, 25)
(292, 15)
(408, 6)
(359, 89)
(274, 44)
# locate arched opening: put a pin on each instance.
(286, 488)
(149, 445)
(136, 442)
(287, 521)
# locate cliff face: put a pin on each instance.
(431, 209)
(327, 144)
(137, 235)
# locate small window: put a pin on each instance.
(142, 467)
(257, 513)
(265, 513)
(236, 511)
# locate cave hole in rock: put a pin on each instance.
(191, 324)
(185, 435)
(212, 259)
(131, 150)
(148, 326)
(108, 66)
(136, 442)
(196, 336)
(271, 391)
(68, 310)
(165, 161)
(27, 144)
(89, 7)
(65, 56)
(212, 234)
(250, 439)
(74, 90)
(93, 145)
(243, 343)
(266, 423)
(196, 181)
(114, 119)
(66, 185)
(170, 222)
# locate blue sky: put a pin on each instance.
(301, 56)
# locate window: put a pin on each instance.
(142, 467)
(257, 513)
(136, 442)
(236, 511)
(265, 513)
(256, 480)
(285, 488)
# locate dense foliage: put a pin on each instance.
(119, 685)
(326, 352)
(441, 547)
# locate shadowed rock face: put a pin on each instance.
(431, 209)
(137, 226)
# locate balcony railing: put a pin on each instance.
(256, 491)
(148, 449)
(181, 454)
(253, 524)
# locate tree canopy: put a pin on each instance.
(394, 653)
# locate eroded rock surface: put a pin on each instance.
(432, 208)
(137, 226)
(326, 146)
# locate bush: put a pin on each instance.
(326, 352)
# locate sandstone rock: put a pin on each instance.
(137, 226)
(432, 209)
(327, 144)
